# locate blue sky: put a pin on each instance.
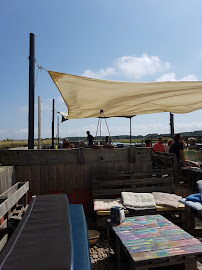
(127, 40)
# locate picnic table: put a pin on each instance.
(145, 242)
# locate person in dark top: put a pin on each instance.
(178, 149)
(148, 143)
(90, 138)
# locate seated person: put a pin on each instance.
(169, 143)
(178, 149)
(159, 146)
(148, 143)
(192, 143)
(66, 144)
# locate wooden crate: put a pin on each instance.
(111, 185)
(12, 203)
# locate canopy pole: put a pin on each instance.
(171, 126)
(39, 122)
(53, 117)
(31, 91)
(130, 130)
(58, 130)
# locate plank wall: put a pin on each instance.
(6, 178)
(71, 171)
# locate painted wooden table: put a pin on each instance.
(145, 242)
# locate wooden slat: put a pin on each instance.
(68, 179)
(111, 192)
(154, 181)
(17, 192)
(153, 189)
(60, 185)
(52, 177)
(44, 179)
(35, 180)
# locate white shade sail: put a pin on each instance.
(85, 97)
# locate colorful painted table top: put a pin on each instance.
(154, 237)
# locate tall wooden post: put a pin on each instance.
(39, 122)
(130, 130)
(31, 91)
(171, 126)
(53, 118)
(58, 131)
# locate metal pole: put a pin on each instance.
(130, 130)
(31, 92)
(53, 116)
(58, 131)
(100, 129)
(171, 126)
(39, 122)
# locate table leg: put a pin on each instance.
(190, 265)
(118, 254)
(189, 220)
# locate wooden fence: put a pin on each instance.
(70, 171)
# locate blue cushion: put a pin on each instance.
(80, 241)
(199, 184)
(194, 197)
(195, 205)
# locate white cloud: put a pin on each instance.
(66, 130)
(19, 134)
(171, 77)
(102, 73)
(131, 67)
(151, 128)
(181, 127)
(137, 67)
(190, 77)
(23, 130)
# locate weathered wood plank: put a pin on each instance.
(44, 179)
(166, 189)
(68, 179)
(19, 176)
(60, 185)
(149, 181)
(12, 196)
(36, 179)
(52, 177)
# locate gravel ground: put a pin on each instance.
(102, 255)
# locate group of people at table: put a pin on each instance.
(176, 147)
(67, 145)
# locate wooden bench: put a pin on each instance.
(165, 161)
(111, 185)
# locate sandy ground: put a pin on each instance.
(102, 255)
